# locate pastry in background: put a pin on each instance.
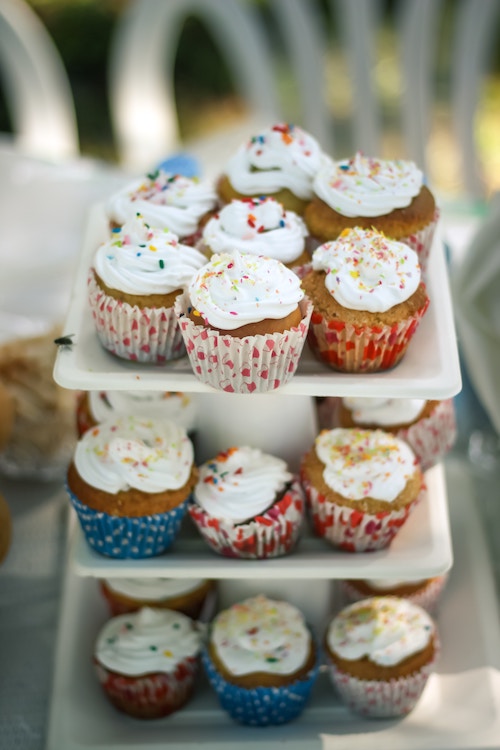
(382, 194)
(262, 661)
(361, 487)
(368, 300)
(381, 652)
(186, 595)
(282, 161)
(147, 661)
(5, 528)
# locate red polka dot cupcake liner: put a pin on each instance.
(149, 696)
(379, 698)
(271, 534)
(133, 333)
(254, 364)
(431, 438)
(350, 348)
(427, 597)
(354, 530)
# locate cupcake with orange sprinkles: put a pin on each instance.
(368, 300)
(361, 486)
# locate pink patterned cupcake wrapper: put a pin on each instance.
(421, 242)
(351, 529)
(349, 348)
(272, 534)
(138, 334)
(254, 364)
(382, 699)
(427, 597)
(150, 695)
(431, 438)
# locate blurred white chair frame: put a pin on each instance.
(36, 87)
(144, 47)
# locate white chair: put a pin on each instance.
(36, 87)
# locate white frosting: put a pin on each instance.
(365, 463)
(363, 186)
(234, 289)
(259, 226)
(240, 483)
(148, 455)
(366, 271)
(166, 201)
(281, 156)
(384, 411)
(153, 589)
(141, 260)
(261, 635)
(150, 640)
(386, 630)
(382, 584)
(177, 407)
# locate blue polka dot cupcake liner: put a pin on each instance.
(127, 538)
(261, 706)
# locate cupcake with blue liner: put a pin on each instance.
(130, 482)
(262, 660)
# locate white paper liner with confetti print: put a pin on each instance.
(379, 698)
(421, 242)
(426, 597)
(149, 696)
(271, 534)
(354, 530)
(138, 334)
(254, 364)
(431, 438)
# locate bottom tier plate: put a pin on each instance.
(460, 707)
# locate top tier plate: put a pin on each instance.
(430, 368)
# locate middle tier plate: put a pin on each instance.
(421, 549)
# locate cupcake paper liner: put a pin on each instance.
(349, 348)
(127, 538)
(272, 534)
(427, 597)
(421, 242)
(138, 334)
(431, 438)
(261, 706)
(382, 699)
(351, 529)
(254, 364)
(152, 695)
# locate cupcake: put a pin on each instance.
(245, 504)
(129, 482)
(259, 226)
(147, 661)
(166, 201)
(428, 426)
(186, 595)
(95, 407)
(423, 592)
(132, 286)
(281, 161)
(381, 653)
(368, 300)
(387, 195)
(262, 661)
(361, 486)
(244, 319)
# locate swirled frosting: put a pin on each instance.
(234, 289)
(150, 640)
(167, 201)
(365, 463)
(153, 589)
(364, 186)
(240, 483)
(259, 226)
(261, 635)
(386, 630)
(366, 271)
(384, 411)
(281, 156)
(141, 260)
(148, 455)
(177, 407)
